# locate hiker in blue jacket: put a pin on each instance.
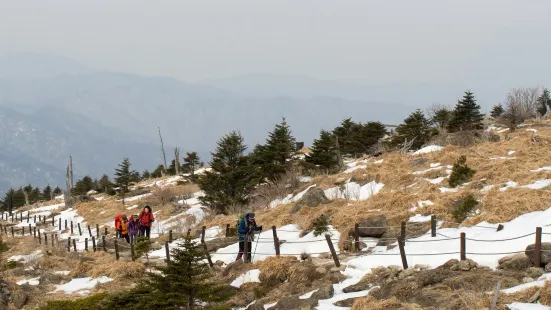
(247, 226)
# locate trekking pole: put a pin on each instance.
(255, 247)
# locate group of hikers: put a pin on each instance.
(134, 226)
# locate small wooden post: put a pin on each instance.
(34, 232)
(227, 230)
(403, 232)
(69, 244)
(117, 250)
(72, 228)
(203, 234)
(23, 231)
(97, 230)
(105, 234)
(332, 249)
(276, 240)
(208, 254)
(188, 233)
(94, 243)
(245, 249)
(30, 230)
(21, 216)
(28, 216)
(56, 239)
(170, 236)
(45, 238)
(44, 219)
(12, 232)
(79, 229)
(357, 237)
(433, 226)
(89, 231)
(52, 236)
(86, 244)
(132, 253)
(103, 243)
(537, 248)
(402, 253)
(39, 237)
(75, 245)
(35, 218)
(59, 226)
(167, 250)
(53, 221)
(65, 224)
(463, 247)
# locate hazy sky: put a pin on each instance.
(369, 41)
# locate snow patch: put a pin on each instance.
(428, 149)
(249, 276)
(33, 281)
(80, 285)
(539, 184)
(418, 218)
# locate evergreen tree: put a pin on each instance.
(135, 176)
(35, 195)
(158, 172)
(104, 184)
(416, 127)
(441, 117)
(232, 177)
(356, 138)
(186, 282)
(191, 163)
(17, 196)
(83, 186)
(466, 115)
(47, 192)
(497, 111)
(324, 153)
(123, 176)
(461, 173)
(57, 191)
(544, 102)
(146, 175)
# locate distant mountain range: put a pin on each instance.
(101, 117)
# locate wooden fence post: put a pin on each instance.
(105, 231)
(403, 232)
(34, 232)
(69, 244)
(332, 249)
(117, 250)
(208, 255)
(97, 230)
(496, 294)
(246, 248)
(94, 243)
(402, 253)
(23, 231)
(103, 243)
(72, 228)
(52, 236)
(59, 226)
(203, 234)
(86, 244)
(12, 232)
(53, 221)
(79, 229)
(227, 230)
(132, 253)
(276, 240)
(537, 248)
(56, 239)
(357, 237)
(30, 229)
(170, 236)
(45, 238)
(39, 237)
(65, 224)
(35, 218)
(28, 216)
(44, 219)
(463, 247)
(75, 245)
(89, 231)
(189, 232)
(167, 251)
(433, 226)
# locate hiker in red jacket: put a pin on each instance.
(145, 219)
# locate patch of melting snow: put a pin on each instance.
(62, 272)
(33, 281)
(132, 207)
(421, 204)
(354, 191)
(26, 258)
(308, 295)
(448, 190)
(80, 285)
(547, 168)
(532, 130)
(538, 283)
(436, 180)
(249, 276)
(425, 171)
(502, 158)
(305, 179)
(511, 153)
(428, 149)
(434, 165)
(539, 184)
(380, 161)
(525, 306)
(418, 218)
(509, 184)
(352, 169)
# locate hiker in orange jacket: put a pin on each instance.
(146, 219)
(124, 229)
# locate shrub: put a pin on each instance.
(320, 225)
(12, 264)
(3, 246)
(461, 173)
(91, 302)
(465, 208)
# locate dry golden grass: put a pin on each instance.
(369, 302)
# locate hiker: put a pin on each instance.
(145, 219)
(118, 220)
(133, 227)
(247, 227)
(124, 229)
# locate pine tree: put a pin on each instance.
(461, 173)
(356, 138)
(123, 176)
(47, 192)
(57, 191)
(146, 175)
(544, 102)
(83, 186)
(466, 115)
(324, 153)
(232, 177)
(497, 111)
(441, 117)
(135, 176)
(186, 282)
(416, 128)
(104, 184)
(191, 163)
(35, 195)
(275, 156)
(158, 172)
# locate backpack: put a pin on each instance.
(118, 221)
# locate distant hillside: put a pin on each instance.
(39, 65)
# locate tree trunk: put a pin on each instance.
(26, 197)
(163, 150)
(69, 184)
(177, 160)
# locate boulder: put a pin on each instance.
(373, 227)
(516, 262)
(20, 299)
(406, 273)
(348, 303)
(293, 302)
(314, 197)
(534, 272)
(232, 266)
(449, 264)
(325, 256)
(545, 254)
(91, 192)
(324, 293)
(50, 278)
(256, 306)
(358, 287)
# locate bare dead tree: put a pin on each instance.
(521, 104)
(439, 115)
(339, 156)
(26, 194)
(177, 160)
(69, 201)
(163, 150)
(406, 146)
(72, 178)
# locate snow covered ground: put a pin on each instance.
(81, 286)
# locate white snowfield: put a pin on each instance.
(249, 276)
(428, 149)
(81, 286)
